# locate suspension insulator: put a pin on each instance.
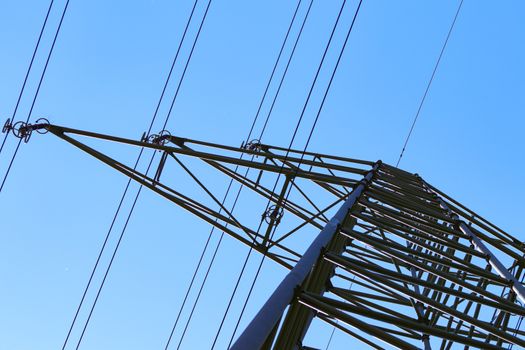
(254, 145)
(273, 213)
(41, 125)
(7, 126)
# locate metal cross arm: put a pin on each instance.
(313, 175)
(220, 158)
(222, 222)
(399, 264)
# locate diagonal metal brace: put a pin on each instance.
(264, 322)
(516, 286)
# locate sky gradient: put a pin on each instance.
(106, 75)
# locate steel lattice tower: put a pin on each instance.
(426, 272)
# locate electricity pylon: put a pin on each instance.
(425, 271)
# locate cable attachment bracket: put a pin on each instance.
(161, 139)
(23, 130)
(254, 145)
(273, 214)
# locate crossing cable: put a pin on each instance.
(260, 138)
(164, 126)
(337, 321)
(306, 145)
(330, 339)
(429, 83)
(112, 259)
(229, 187)
(37, 91)
(28, 71)
(153, 155)
(103, 247)
(186, 65)
(231, 181)
(286, 69)
(282, 167)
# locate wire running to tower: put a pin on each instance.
(429, 84)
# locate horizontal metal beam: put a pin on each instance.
(55, 129)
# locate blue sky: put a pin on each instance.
(106, 75)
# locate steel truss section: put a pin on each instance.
(423, 271)
(336, 176)
(399, 265)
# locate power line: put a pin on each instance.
(429, 83)
(28, 70)
(330, 339)
(161, 98)
(111, 260)
(102, 249)
(308, 140)
(37, 91)
(194, 276)
(187, 64)
(263, 98)
(168, 78)
(262, 132)
(275, 68)
(337, 321)
(286, 68)
(260, 137)
(164, 126)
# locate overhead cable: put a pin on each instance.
(263, 99)
(161, 98)
(276, 95)
(429, 84)
(309, 136)
(37, 90)
(28, 71)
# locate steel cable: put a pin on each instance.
(28, 71)
(429, 84)
(230, 184)
(37, 91)
(112, 259)
(187, 64)
(164, 126)
(102, 249)
(309, 137)
(260, 138)
(161, 98)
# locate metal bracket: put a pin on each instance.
(254, 145)
(273, 213)
(162, 162)
(161, 138)
(23, 130)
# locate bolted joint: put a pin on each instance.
(298, 290)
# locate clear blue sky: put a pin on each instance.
(106, 75)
